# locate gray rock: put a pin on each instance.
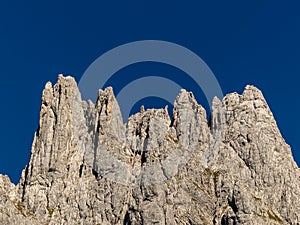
(89, 167)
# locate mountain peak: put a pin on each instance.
(88, 167)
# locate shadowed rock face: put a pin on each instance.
(88, 167)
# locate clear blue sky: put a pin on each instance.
(243, 42)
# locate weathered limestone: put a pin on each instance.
(88, 167)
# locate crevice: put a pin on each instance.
(106, 104)
(143, 157)
(172, 124)
(248, 138)
(59, 96)
(80, 170)
(51, 169)
(95, 174)
(98, 125)
(55, 117)
(127, 219)
(228, 220)
(224, 221)
(96, 143)
(147, 131)
(233, 205)
(209, 122)
(25, 182)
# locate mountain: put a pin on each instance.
(88, 167)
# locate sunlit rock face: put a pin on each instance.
(89, 167)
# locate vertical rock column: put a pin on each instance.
(55, 156)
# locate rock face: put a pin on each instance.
(88, 167)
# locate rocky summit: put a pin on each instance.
(89, 167)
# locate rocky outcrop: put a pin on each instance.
(88, 167)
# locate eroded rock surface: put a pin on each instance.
(88, 167)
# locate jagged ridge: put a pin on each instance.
(88, 167)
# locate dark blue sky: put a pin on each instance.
(243, 42)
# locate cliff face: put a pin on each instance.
(87, 167)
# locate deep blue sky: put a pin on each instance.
(243, 42)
